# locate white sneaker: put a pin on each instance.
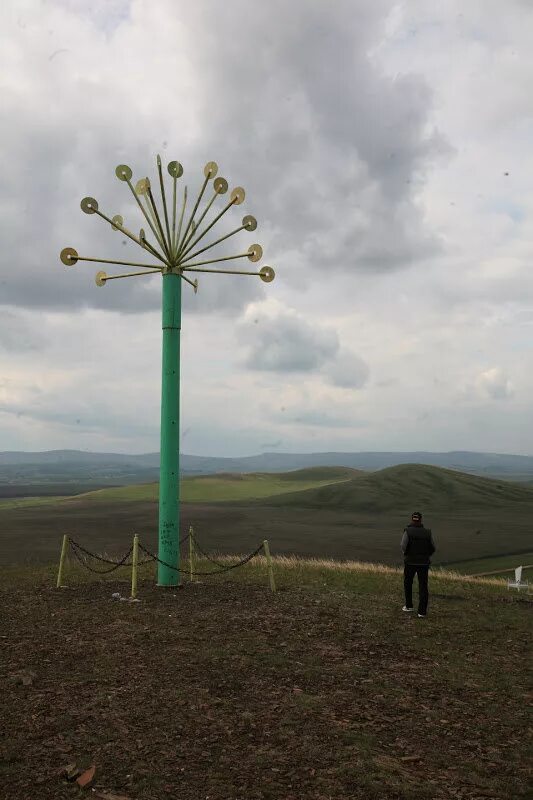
(405, 608)
(422, 616)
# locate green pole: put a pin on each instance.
(170, 432)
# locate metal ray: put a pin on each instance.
(150, 196)
(132, 274)
(202, 190)
(185, 249)
(194, 284)
(127, 233)
(216, 219)
(165, 210)
(144, 213)
(120, 263)
(181, 220)
(141, 189)
(175, 170)
(209, 246)
(143, 242)
(174, 187)
(227, 271)
(217, 260)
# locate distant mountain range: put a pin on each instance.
(77, 466)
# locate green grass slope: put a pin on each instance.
(221, 487)
(329, 474)
(498, 566)
(409, 487)
(472, 518)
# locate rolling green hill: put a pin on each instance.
(410, 487)
(223, 487)
(318, 512)
(226, 487)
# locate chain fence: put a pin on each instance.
(206, 555)
(223, 568)
(82, 554)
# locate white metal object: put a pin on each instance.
(518, 583)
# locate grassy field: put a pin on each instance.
(411, 486)
(224, 487)
(322, 690)
(472, 518)
(501, 565)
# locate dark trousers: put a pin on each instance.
(409, 572)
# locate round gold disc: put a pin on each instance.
(267, 274)
(238, 195)
(119, 222)
(89, 205)
(210, 169)
(220, 185)
(69, 256)
(101, 278)
(142, 186)
(249, 222)
(123, 172)
(175, 169)
(255, 252)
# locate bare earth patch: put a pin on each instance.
(227, 692)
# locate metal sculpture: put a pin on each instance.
(175, 246)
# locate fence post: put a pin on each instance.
(62, 558)
(191, 553)
(134, 566)
(269, 565)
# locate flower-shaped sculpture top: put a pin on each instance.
(177, 233)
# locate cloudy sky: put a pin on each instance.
(385, 149)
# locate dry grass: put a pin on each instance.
(293, 562)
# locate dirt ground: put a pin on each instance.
(228, 692)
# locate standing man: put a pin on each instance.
(417, 546)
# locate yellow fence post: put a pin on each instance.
(269, 565)
(191, 553)
(134, 566)
(62, 558)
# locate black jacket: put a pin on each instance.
(417, 545)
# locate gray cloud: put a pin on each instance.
(82, 419)
(329, 148)
(336, 416)
(325, 114)
(495, 383)
(339, 149)
(18, 335)
(320, 419)
(348, 371)
(285, 343)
